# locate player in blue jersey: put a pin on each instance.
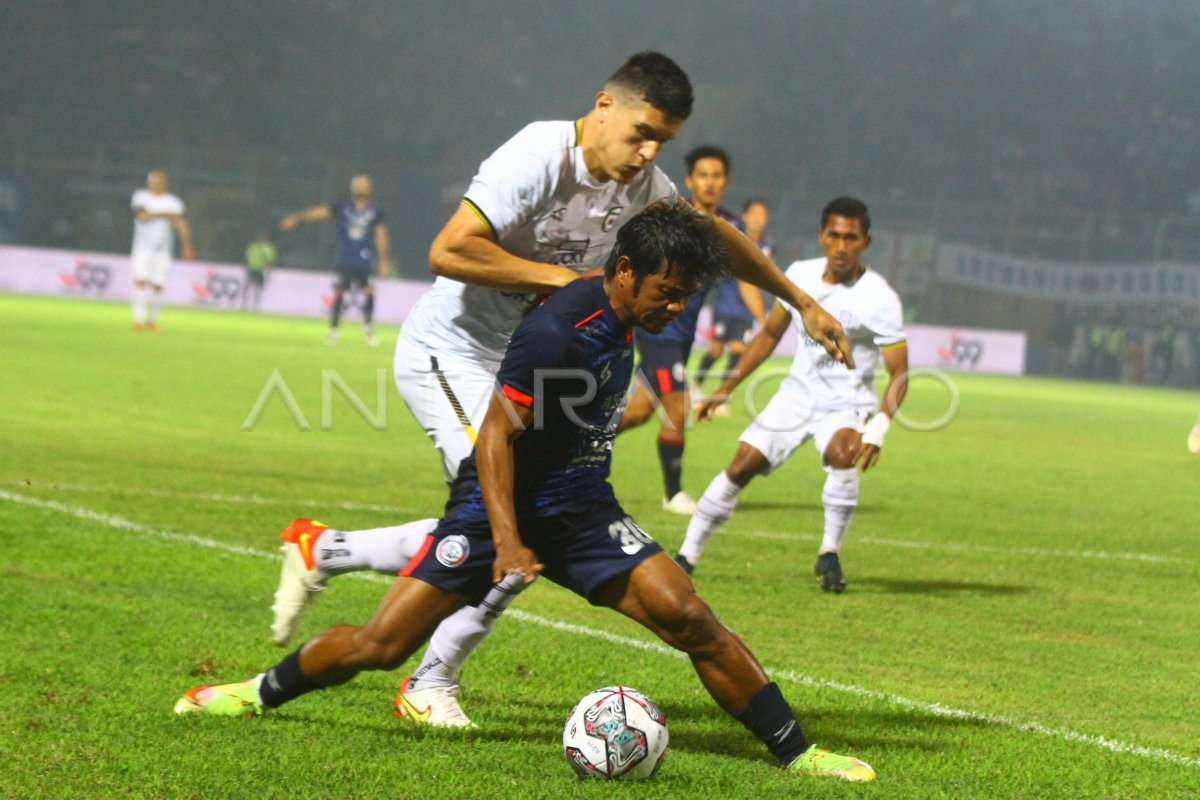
(733, 320)
(663, 356)
(534, 498)
(362, 242)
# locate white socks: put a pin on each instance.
(140, 297)
(387, 550)
(840, 497)
(155, 295)
(713, 509)
(460, 633)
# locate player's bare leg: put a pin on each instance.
(657, 594)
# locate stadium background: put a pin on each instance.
(1055, 132)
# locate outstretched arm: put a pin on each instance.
(895, 358)
(184, 232)
(466, 250)
(311, 214)
(382, 248)
(750, 264)
(760, 347)
(502, 426)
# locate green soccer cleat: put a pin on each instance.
(226, 700)
(826, 764)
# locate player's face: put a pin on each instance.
(632, 134)
(707, 183)
(360, 186)
(755, 220)
(157, 182)
(659, 299)
(843, 241)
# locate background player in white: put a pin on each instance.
(541, 210)
(158, 217)
(819, 399)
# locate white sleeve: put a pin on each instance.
(138, 202)
(512, 185)
(887, 321)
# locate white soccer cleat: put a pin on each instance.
(681, 503)
(331, 337)
(1194, 439)
(299, 578)
(437, 706)
(369, 335)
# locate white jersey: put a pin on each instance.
(869, 310)
(154, 235)
(543, 205)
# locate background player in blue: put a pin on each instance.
(663, 356)
(534, 498)
(733, 321)
(362, 239)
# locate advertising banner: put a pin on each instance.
(1164, 284)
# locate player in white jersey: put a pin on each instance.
(819, 399)
(543, 209)
(158, 216)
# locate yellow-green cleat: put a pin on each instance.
(226, 700)
(826, 764)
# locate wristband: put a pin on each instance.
(876, 429)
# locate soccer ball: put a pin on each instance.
(615, 732)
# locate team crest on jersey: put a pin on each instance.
(453, 550)
(610, 219)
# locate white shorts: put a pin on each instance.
(786, 423)
(447, 397)
(150, 267)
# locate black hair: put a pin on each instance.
(673, 232)
(755, 201)
(657, 80)
(849, 208)
(705, 151)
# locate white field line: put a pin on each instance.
(233, 499)
(932, 709)
(958, 547)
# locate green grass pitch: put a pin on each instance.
(1022, 621)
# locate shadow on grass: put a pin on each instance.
(933, 587)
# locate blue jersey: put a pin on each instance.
(355, 233)
(571, 361)
(727, 301)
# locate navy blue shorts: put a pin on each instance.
(352, 277)
(662, 364)
(582, 552)
(732, 329)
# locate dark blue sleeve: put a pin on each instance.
(541, 341)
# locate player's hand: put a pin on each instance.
(385, 268)
(708, 406)
(516, 559)
(827, 332)
(287, 223)
(868, 456)
(187, 253)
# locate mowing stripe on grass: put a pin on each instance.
(971, 548)
(958, 547)
(933, 709)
